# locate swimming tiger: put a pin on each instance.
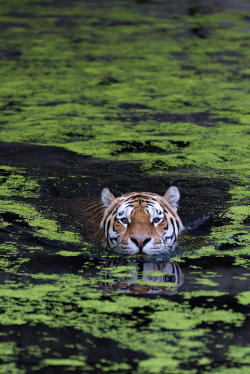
(137, 222)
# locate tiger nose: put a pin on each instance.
(140, 241)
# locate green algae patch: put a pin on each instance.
(18, 185)
(206, 282)
(156, 284)
(244, 298)
(64, 362)
(11, 368)
(68, 253)
(203, 293)
(239, 354)
(180, 320)
(243, 369)
(157, 365)
(43, 227)
(8, 349)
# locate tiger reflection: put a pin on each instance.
(143, 278)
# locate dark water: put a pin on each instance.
(136, 95)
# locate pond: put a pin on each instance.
(134, 96)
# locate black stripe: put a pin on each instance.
(174, 229)
(114, 211)
(107, 229)
(178, 225)
(139, 196)
(166, 213)
(148, 202)
(128, 205)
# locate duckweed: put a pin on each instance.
(164, 88)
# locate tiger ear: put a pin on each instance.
(172, 195)
(107, 197)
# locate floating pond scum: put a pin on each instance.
(133, 95)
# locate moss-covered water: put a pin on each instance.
(136, 96)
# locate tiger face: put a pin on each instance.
(141, 222)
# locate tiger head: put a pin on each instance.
(141, 222)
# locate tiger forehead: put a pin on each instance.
(139, 198)
(139, 202)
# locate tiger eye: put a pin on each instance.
(124, 221)
(156, 220)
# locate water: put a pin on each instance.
(136, 97)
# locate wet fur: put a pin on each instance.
(98, 220)
(89, 213)
(139, 204)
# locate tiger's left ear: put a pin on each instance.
(172, 195)
(107, 197)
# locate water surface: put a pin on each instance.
(137, 96)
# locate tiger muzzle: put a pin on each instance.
(140, 241)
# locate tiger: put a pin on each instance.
(137, 222)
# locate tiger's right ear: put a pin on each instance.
(172, 195)
(107, 197)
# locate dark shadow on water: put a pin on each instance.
(64, 176)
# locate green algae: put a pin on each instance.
(8, 349)
(244, 297)
(243, 369)
(206, 282)
(11, 368)
(184, 98)
(68, 253)
(237, 353)
(44, 227)
(64, 362)
(162, 88)
(204, 293)
(18, 185)
(92, 317)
